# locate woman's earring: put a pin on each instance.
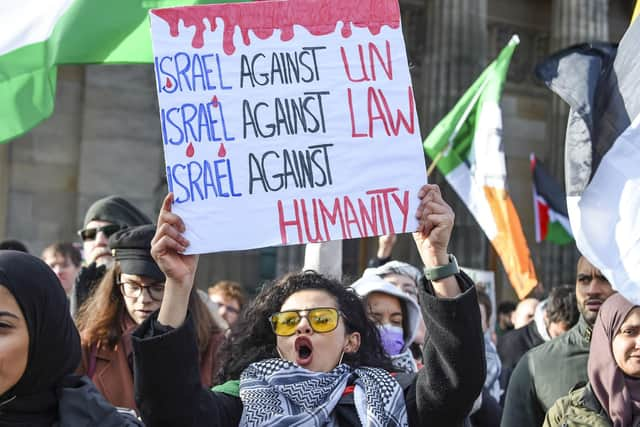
(341, 356)
(279, 354)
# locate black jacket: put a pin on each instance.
(515, 343)
(79, 404)
(88, 279)
(168, 390)
(511, 347)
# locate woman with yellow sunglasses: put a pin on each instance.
(305, 352)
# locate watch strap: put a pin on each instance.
(440, 272)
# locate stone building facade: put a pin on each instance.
(104, 136)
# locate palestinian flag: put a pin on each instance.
(466, 146)
(38, 35)
(549, 207)
(602, 160)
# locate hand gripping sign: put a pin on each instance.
(287, 122)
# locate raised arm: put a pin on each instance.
(386, 243)
(167, 248)
(166, 362)
(454, 361)
(435, 218)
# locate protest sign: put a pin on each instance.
(287, 122)
(485, 280)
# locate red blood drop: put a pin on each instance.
(190, 150)
(168, 83)
(222, 151)
(214, 101)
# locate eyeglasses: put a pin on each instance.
(91, 233)
(134, 290)
(321, 320)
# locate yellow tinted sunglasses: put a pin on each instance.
(321, 319)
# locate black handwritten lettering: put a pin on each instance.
(309, 168)
(284, 116)
(280, 68)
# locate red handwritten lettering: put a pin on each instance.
(340, 219)
(284, 224)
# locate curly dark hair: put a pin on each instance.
(252, 339)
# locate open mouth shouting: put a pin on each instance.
(304, 351)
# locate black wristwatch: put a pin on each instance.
(437, 273)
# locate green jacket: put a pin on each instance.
(578, 409)
(545, 374)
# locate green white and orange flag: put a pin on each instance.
(466, 147)
(39, 35)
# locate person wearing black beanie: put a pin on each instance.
(103, 218)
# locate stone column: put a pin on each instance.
(41, 183)
(572, 22)
(455, 54)
(121, 151)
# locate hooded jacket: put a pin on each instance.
(371, 282)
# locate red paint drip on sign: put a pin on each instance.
(190, 150)
(168, 83)
(222, 152)
(319, 17)
(214, 101)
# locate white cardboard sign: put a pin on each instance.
(287, 122)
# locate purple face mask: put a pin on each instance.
(392, 338)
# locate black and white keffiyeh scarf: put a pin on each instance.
(276, 392)
(405, 362)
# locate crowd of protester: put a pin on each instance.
(111, 331)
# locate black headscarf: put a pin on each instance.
(116, 210)
(54, 343)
